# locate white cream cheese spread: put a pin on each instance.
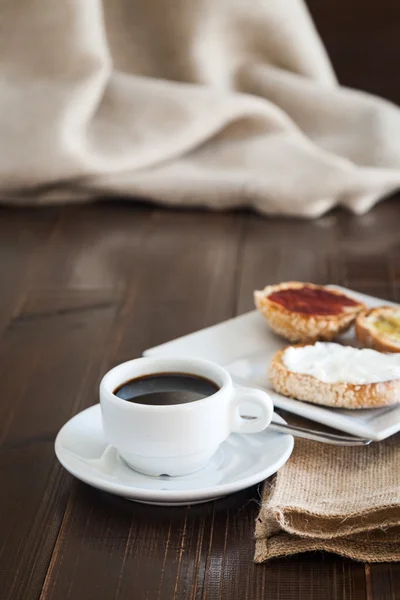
(333, 363)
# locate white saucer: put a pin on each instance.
(241, 461)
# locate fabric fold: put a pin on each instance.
(218, 104)
(339, 499)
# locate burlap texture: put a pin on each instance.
(339, 499)
(213, 103)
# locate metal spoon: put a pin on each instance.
(319, 436)
(311, 434)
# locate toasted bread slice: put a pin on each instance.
(304, 312)
(379, 328)
(323, 380)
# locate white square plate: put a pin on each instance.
(245, 345)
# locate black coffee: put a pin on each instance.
(164, 389)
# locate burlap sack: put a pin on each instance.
(339, 499)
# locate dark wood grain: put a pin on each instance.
(23, 239)
(362, 41)
(383, 581)
(83, 288)
(93, 286)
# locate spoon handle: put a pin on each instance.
(319, 436)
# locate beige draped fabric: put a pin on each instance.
(214, 103)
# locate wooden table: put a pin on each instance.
(84, 288)
(87, 287)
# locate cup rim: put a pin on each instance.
(106, 393)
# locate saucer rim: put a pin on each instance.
(168, 496)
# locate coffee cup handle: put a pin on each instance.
(246, 424)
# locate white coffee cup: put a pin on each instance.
(181, 438)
